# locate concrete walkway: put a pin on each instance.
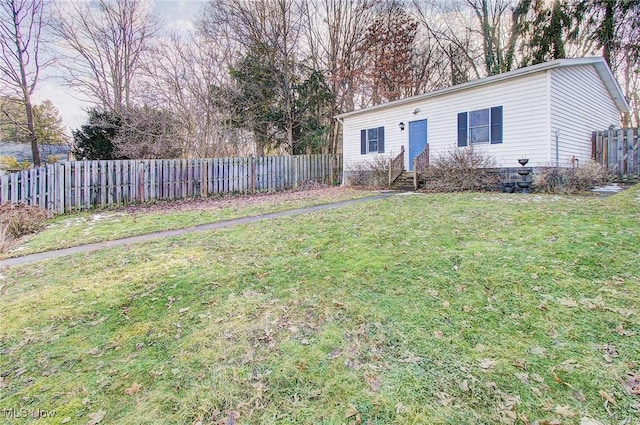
(83, 249)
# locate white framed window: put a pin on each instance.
(480, 126)
(372, 140)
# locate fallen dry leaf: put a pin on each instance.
(520, 364)
(607, 397)
(578, 395)
(487, 364)
(565, 411)
(507, 409)
(232, 418)
(353, 414)
(464, 386)
(633, 384)
(592, 303)
(557, 378)
(97, 417)
(522, 377)
(374, 383)
(567, 302)
(624, 312)
(537, 351)
(568, 365)
(480, 347)
(134, 388)
(620, 330)
(444, 399)
(539, 379)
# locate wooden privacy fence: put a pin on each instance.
(617, 150)
(81, 185)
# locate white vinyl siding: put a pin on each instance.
(525, 122)
(580, 104)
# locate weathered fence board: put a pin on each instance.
(618, 151)
(81, 185)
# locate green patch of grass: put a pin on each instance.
(90, 227)
(440, 309)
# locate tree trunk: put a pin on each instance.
(32, 130)
(26, 87)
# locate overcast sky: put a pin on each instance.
(172, 13)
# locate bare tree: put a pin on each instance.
(480, 37)
(21, 25)
(390, 47)
(105, 41)
(188, 76)
(453, 31)
(148, 133)
(335, 35)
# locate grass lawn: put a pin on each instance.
(417, 309)
(109, 224)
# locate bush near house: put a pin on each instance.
(373, 173)
(571, 180)
(460, 170)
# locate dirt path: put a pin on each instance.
(82, 249)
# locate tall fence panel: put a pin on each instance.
(82, 185)
(618, 151)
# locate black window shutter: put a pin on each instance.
(363, 142)
(380, 139)
(462, 129)
(496, 124)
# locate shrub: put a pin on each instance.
(460, 169)
(571, 180)
(370, 173)
(18, 220)
(10, 162)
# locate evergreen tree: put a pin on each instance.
(94, 140)
(46, 117)
(48, 124)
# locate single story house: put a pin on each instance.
(545, 112)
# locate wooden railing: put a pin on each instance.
(420, 163)
(618, 151)
(396, 166)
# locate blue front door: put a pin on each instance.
(417, 139)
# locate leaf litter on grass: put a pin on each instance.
(270, 339)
